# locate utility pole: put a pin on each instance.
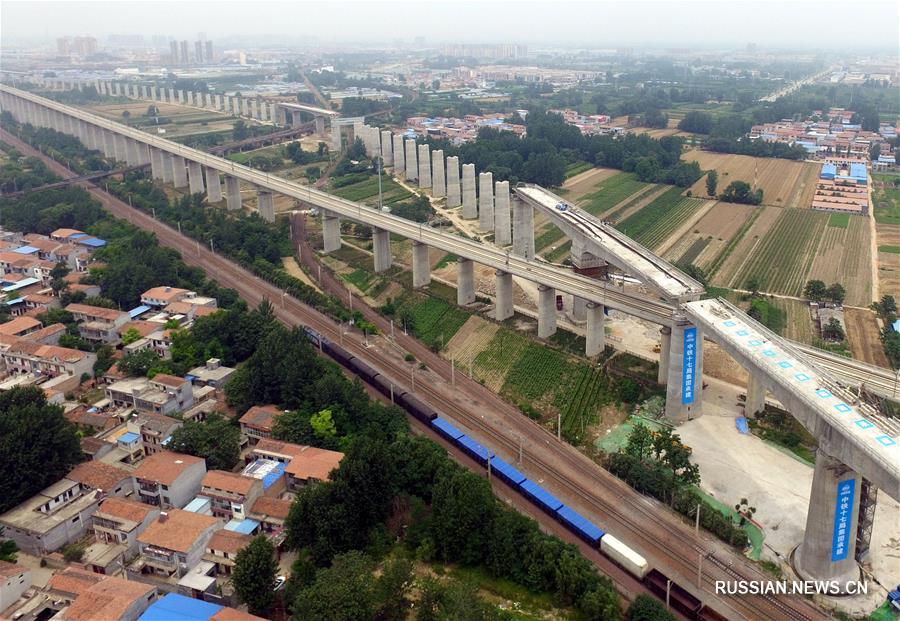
(697, 521)
(452, 372)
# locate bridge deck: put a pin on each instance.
(670, 282)
(308, 108)
(791, 370)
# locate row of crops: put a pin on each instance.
(611, 192)
(653, 224)
(391, 191)
(781, 261)
(434, 320)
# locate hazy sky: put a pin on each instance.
(782, 23)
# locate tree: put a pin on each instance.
(672, 453)
(391, 589)
(322, 424)
(8, 548)
(815, 290)
(712, 182)
(343, 592)
(753, 286)
(697, 123)
(647, 608)
(833, 331)
(139, 362)
(126, 114)
(836, 293)
(57, 274)
(741, 192)
(254, 574)
(640, 441)
(38, 446)
(216, 440)
(130, 336)
(357, 150)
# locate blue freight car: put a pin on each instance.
(576, 522)
(446, 429)
(544, 499)
(506, 472)
(475, 450)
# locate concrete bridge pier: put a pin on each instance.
(387, 148)
(665, 343)
(579, 308)
(254, 110)
(156, 164)
(195, 177)
(131, 152)
(296, 120)
(331, 231)
(546, 311)
(399, 157)
(502, 232)
(486, 201)
(181, 96)
(411, 164)
(165, 160)
(438, 181)
(595, 334)
(97, 139)
(233, 193)
(421, 268)
(424, 166)
(265, 204)
(503, 307)
(469, 205)
(179, 172)
(229, 104)
(465, 282)
(684, 384)
(213, 186)
(381, 249)
(454, 195)
(121, 148)
(828, 550)
(756, 395)
(320, 125)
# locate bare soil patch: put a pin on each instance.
(862, 332)
(745, 246)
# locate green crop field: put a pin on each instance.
(559, 253)
(653, 224)
(581, 404)
(611, 192)
(839, 220)
(891, 249)
(367, 191)
(436, 321)
(538, 370)
(576, 168)
(551, 235)
(616, 215)
(887, 200)
(694, 250)
(494, 361)
(781, 261)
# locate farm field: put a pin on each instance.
(183, 120)
(888, 262)
(844, 256)
(653, 224)
(584, 182)
(784, 183)
(710, 235)
(724, 268)
(634, 203)
(886, 199)
(782, 259)
(435, 321)
(366, 191)
(862, 333)
(798, 324)
(609, 193)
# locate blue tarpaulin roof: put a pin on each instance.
(473, 447)
(140, 310)
(77, 235)
(444, 426)
(858, 171)
(128, 437)
(580, 523)
(828, 171)
(506, 470)
(537, 492)
(245, 527)
(273, 476)
(25, 282)
(741, 423)
(93, 242)
(175, 607)
(26, 250)
(896, 326)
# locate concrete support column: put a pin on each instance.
(399, 155)
(296, 119)
(265, 204)
(336, 142)
(106, 143)
(220, 103)
(173, 96)
(438, 181)
(469, 206)
(229, 104)
(213, 186)
(387, 148)
(381, 249)
(465, 282)
(320, 125)
(195, 175)
(829, 543)
(331, 231)
(273, 114)
(486, 201)
(684, 386)
(756, 395)
(411, 163)
(503, 307)
(254, 110)
(179, 172)
(424, 166)
(166, 161)
(145, 92)
(502, 232)
(454, 195)
(131, 152)
(546, 311)
(421, 268)
(121, 148)
(232, 193)
(579, 308)
(595, 334)
(181, 96)
(665, 344)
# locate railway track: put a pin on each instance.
(658, 534)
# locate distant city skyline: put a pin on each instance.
(692, 24)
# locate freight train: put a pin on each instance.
(584, 529)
